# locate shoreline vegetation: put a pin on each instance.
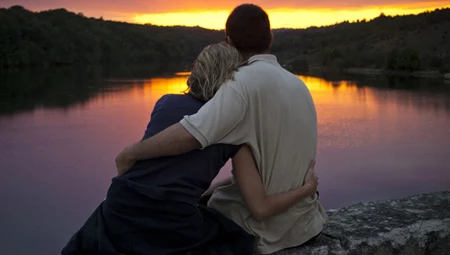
(410, 45)
(433, 74)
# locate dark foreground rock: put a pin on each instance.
(414, 225)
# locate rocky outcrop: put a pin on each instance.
(415, 225)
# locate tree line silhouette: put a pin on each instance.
(59, 37)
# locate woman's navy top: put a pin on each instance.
(181, 178)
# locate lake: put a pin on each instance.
(60, 130)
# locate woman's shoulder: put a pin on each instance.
(170, 97)
(174, 100)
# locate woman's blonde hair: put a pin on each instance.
(214, 66)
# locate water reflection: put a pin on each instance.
(377, 143)
(66, 86)
(60, 133)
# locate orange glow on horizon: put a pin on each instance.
(154, 88)
(213, 14)
(182, 73)
(281, 17)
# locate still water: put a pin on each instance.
(59, 134)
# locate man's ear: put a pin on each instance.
(272, 38)
(229, 41)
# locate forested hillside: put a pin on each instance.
(59, 37)
(413, 42)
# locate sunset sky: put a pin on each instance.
(213, 13)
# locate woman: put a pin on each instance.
(153, 208)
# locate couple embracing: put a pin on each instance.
(240, 105)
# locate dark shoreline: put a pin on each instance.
(427, 74)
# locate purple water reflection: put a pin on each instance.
(57, 163)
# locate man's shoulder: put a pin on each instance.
(258, 74)
(250, 74)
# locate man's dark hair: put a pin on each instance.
(248, 27)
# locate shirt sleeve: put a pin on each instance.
(220, 119)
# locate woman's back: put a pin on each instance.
(153, 208)
(181, 178)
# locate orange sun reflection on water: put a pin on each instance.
(350, 117)
(345, 96)
(344, 109)
(339, 106)
(336, 102)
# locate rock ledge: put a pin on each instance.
(414, 225)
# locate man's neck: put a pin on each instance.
(247, 56)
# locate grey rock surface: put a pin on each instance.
(414, 225)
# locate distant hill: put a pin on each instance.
(59, 37)
(409, 43)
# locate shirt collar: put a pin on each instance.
(269, 58)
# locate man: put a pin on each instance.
(267, 108)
